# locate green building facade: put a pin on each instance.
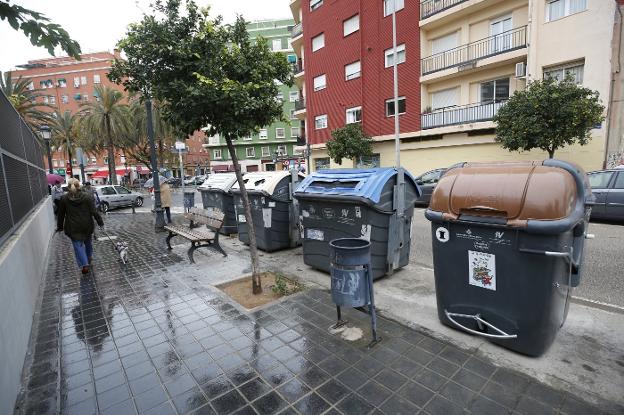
(274, 146)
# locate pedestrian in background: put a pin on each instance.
(96, 199)
(75, 217)
(165, 199)
(57, 194)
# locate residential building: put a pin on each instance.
(346, 72)
(274, 145)
(476, 53)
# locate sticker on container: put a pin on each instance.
(242, 219)
(366, 232)
(266, 217)
(442, 234)
(271, 204)
(315, 234)
(482, 270)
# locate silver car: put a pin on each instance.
(608, 188)
(117, 196)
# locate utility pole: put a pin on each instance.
(395, 69)
(160, 218)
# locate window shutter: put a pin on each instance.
(444, 43)
(445, 98)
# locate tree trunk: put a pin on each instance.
(70, 173)
(253, 248)
(551, 153)
(111, 153)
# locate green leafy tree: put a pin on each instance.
(65, 131)
(105, 123)
(25, 102)
(349, 142)
(208, 76)
(39, 29)
(548, 115)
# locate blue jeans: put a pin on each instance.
(83, 251)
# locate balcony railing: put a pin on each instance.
(296, 30)
(469, 53)
(300, 104)
(430, 7)
(297, 67)
(463, 114)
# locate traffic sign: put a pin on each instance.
(179, 145)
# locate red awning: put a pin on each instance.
(104, 173)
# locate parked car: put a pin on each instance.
(427, 182)
(175, 182)
(608, 189)
(117, 196)
(189, 180)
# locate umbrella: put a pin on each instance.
(54, 179)
(150, 182)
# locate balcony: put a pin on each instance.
(300, 104)
(430, 7)
(297, 68)
(472, 52)
(463, 114)
(297, 30)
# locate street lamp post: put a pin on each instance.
(46, 134)
(159, 223)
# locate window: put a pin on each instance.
(320, 121)
(557, 9)
(351, 25)
(264, 134)
(31, 86)
(122, 190)
(368, 162)
(292, 115)
(64, 99)
(354, 115)
(294, 132)
(318, 42)
(93, 160)
(277, 44)
(83, 80)
(96, 79)
(292, 58)
(45, 99)
(559, 73)
(321, 163)
(279, 97)
(430, 177)
(251, 152)
(400, 4)
(293, 96)
(52, 99)
(55, 163)
(76, 81)
(445, 98)
(281, 150)
(353, 70)
(390, 55)
(319, 82)
(266, 151)
(280, 132)
(390, 106)
(106, 160)
(444, 43)
(600, 180)
(315, 4)
(61, 83)
(619, 182)
(108, 191)
(499, 29)
(85, 98)
(495, 91)
(216, 154)
(249, 138)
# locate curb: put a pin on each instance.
(598, 304)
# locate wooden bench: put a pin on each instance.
(200, 237)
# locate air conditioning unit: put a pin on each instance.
(520, 70)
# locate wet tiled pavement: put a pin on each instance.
(153, 338)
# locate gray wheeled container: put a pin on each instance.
(358, 203)
(508, 243)
(272, 209)
(216, 193)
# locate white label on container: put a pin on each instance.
(242, 219)
(482, 270)
(315, 234)
(266, 217)
(366, 232)
(442, 234)
(271, 204)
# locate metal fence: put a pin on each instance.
(463, 114)
(23, 183)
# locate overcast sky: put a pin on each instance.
(98, 25)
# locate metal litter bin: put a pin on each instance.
(358, 203)
(508, 243)
(189, 200)
(272, 209)
(216, 193)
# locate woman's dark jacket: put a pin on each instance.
(75, 215)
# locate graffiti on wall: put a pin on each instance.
(615, 159)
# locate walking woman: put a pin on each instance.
(165, 199)
(75, 217)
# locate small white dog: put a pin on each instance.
(122, 248)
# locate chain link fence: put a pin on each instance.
(23, 183)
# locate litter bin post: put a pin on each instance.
(189, 201)
(352, 279)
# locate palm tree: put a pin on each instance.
(66, 129)
(24, 99)
(106, 121)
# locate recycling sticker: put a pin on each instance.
(442, 234)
